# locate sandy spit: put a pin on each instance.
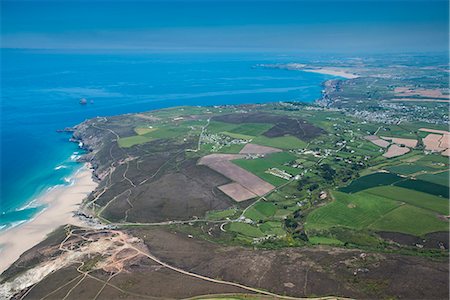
(332, 72)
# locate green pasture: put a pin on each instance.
(323, 240)
(143, 130)
(387, 208)
(275, 228)
(221, 214)
(146, 135)
(424, 186)
(419, 199)
(232, 149)
(439, 178)
(407, 169)
(130, 141)
(259, 166)
(369, 181)
(282, 142)
(355, 211)
(237, 135)
(410, 220)
(245, 229)
(261, 211)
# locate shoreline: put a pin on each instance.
(62, 202)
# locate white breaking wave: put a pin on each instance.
(61, 167)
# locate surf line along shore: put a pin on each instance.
(61, 203)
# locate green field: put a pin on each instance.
(133, 140)
(217, 127)
(238, 135)
(419, 199)
(369, 181)
(247, 129)
(425, 186)
(433, 159)
(146, 135)
(275, 228)
(283, 142)
(245, 229)
(355, 211)
(221, 214)
(261, 211)
(232, 149)
(440, 178)
(407, 169)
(143, 130)
(386, 208)
(259, 166)
(410, 220)
(323, 240)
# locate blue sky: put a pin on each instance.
(287, 26)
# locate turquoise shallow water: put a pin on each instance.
(41, 93)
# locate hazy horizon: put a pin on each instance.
(236, 26)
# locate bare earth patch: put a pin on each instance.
(394, 151)
(434, 131)
(237, 191)
(377, 141)
(412, 143)
(257, 149)
(419, 100)
(446, 152)
(148, 117)
(445, 141)
(426, 93)
(221, 163)
(432, 142)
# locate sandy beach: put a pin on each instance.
(332, 72)
(61, 202)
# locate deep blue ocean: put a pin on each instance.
(40, 93)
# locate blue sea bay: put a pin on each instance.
(41, 92)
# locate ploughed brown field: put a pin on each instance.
(394, 151)
(426, 93)
(432, 142)
(237, 192)
(257, 149)
(222, 164)
(412, 143)
(377, 141)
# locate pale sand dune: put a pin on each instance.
(339, 73)
(62, 202)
